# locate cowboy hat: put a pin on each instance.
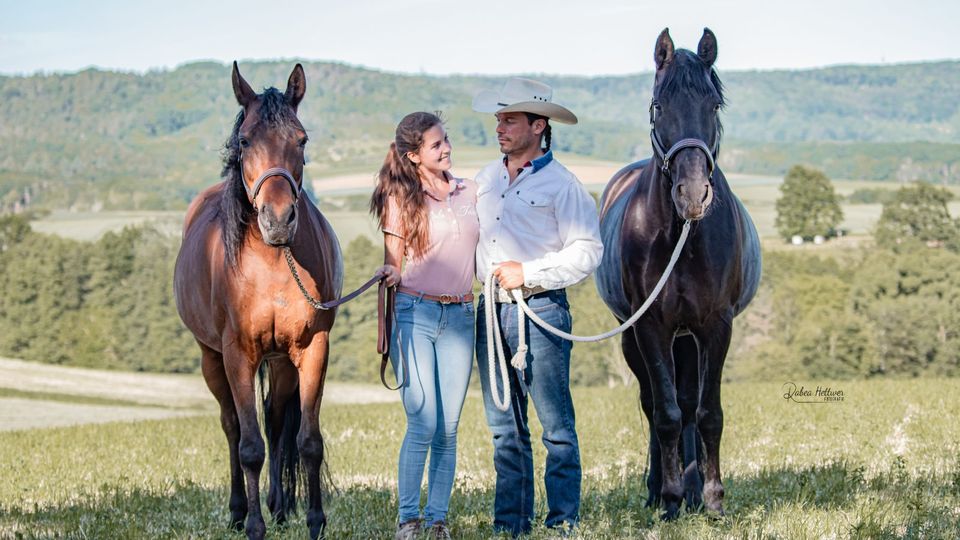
(523, 95)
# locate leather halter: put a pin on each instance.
(270, 173)
(666, 155)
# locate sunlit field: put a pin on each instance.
(880, 464)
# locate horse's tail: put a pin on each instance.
(284, 472)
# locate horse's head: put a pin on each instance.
(271, 144)
(685, 123)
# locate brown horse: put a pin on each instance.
(236, 294)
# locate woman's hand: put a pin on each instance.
(391, 273)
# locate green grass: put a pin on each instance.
(881, 464)
(67, 398)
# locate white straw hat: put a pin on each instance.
(523, 95)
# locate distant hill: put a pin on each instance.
(123, 140)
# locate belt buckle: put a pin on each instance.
(447, 298)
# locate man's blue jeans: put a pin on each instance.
(437, 341)
(548, 379)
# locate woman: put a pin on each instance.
(429, 222)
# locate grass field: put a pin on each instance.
(881, 464)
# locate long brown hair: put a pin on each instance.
(398, 177)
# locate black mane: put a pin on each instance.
(236, 211)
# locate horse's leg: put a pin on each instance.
(686, 362)
(241, 368)
(213, 373)
(655, 347)
(312, 367)
(281, 443)
(634, 360)
(714, 341)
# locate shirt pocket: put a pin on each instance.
(534, 209)
(535, 199)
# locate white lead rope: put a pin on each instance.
(495, 352)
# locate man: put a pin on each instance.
(538, 232)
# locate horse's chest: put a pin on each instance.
(277, 308)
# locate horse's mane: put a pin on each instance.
(685, 73)
(235, 210)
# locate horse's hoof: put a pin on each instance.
(318, 531)
(671, 513)
(715, 512)
(317, 522)
(256, 529)
(713, 498)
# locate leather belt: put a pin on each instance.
(504, 296)
(442, 298)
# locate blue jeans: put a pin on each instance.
(437, 341)
(548, 379)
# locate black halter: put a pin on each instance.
(666, 155)
(270, 173)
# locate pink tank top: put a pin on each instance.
(447, 266)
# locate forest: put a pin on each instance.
(888, 308)
(115, 140)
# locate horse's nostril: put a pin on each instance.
(292, 217)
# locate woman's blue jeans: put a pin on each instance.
(437, 343)
(548, 379)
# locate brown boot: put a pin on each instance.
(408, 530)
(439, 531)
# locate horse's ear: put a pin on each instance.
(296, 86)
(707, 49)
(245, 94)
(663, 53)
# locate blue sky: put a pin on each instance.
(585, 37)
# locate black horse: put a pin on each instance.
(676, 350)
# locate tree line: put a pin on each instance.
(888, 310)
(100, 139)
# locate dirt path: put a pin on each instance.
(42, 395)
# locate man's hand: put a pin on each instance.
(509, 274)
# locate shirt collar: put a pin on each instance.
(454, 185)
(538, 163)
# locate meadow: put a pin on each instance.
(880, 464)
(97, 454)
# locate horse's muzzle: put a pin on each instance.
(277, 226)
(692, 199)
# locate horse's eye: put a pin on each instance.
(302, 142)
(244, 143)
(716, 108)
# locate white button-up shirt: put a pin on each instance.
(545, 220)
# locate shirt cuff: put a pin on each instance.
(532, 273)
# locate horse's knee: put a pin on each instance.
(710, 421)
(252, 453)
(311, 447)
(668, 421)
